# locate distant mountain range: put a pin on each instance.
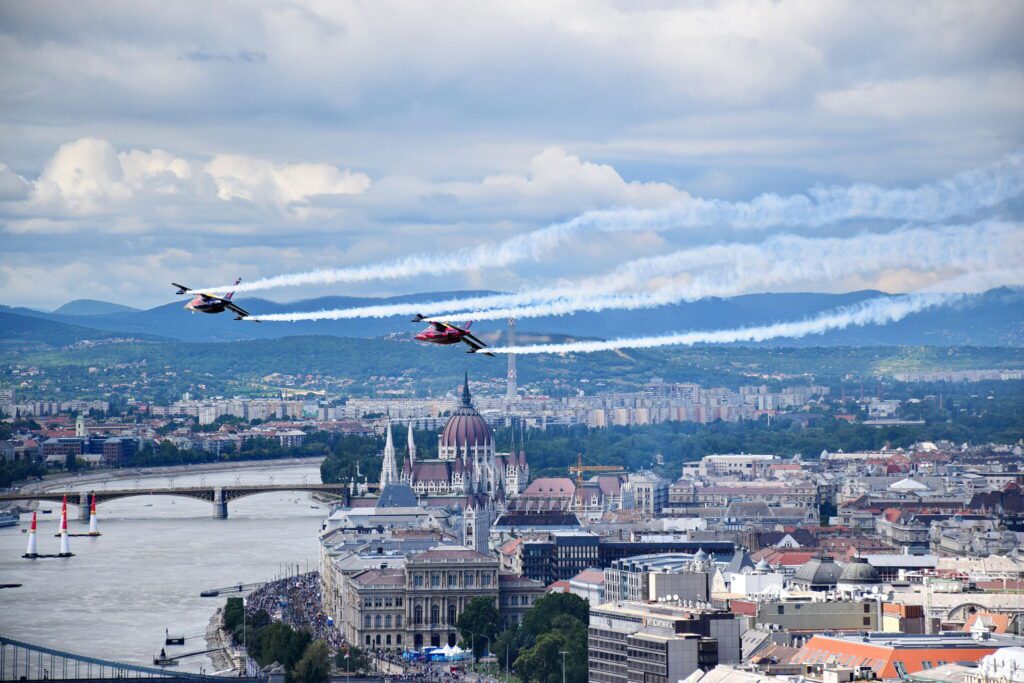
(995, 318)
(93, 307)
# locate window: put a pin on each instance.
(376, 621)
(867, 607)
(367, 602)
(398, 624)
(388, 640)
(398, 602)
(387, 621)
(366, 621)
(418, 614)
(368, 641)
(451, 580)
(377, 602)
(417, 581)
(435, 614)
(451, 614)
(435, 581)
(485, 580)
(387, 602)
(867, 621)
(469, 581)
(398, 638)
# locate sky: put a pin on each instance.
(145, 142)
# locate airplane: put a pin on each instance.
(203, 302)
(444, 333)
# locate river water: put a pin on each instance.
(119, 592)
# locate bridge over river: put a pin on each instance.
(218, 496)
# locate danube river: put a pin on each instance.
(119, 592)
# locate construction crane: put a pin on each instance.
(580, 468)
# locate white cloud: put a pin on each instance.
(90, 177)
(261, 122)
(554, 173)
(929, 97)
(83, 176)
(261, 181)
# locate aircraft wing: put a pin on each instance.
(236, 309)
(475, 344)
(181, 288)
(440, 327)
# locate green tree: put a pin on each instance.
(357, 660)
(479, 624)
(315, 664)
(542, 616)
(543, 662)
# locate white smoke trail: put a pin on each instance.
(879, 311)
(961, 195)
(727, 270)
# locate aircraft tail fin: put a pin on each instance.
(467, 325)
(231, 294)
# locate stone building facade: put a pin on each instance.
(419, 605)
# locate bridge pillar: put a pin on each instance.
(83, 506)
(220, 505)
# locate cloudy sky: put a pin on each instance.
(144, 142)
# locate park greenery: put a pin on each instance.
(478, 625)
(555, 623)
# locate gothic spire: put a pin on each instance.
(412, 444)
(465, 393)
(389, 468)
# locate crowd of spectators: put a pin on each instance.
(298, 602)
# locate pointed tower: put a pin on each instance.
(411, 445)
(389, 468)
(31, 551)
(80, 431)
(65, 546)
(94, 529)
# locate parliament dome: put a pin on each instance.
(466, 427)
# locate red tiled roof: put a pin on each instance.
(590, 576)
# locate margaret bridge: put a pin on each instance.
(219, 496)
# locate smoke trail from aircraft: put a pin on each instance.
(961, 195)
(726, 270)
(879, 311)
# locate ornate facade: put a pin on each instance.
(420, 604)
(467, 462)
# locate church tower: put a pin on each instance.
(388, 468)
(476, 527)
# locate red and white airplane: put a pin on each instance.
(446, 333)
(203, 302)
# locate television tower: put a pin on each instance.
(512, 388)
